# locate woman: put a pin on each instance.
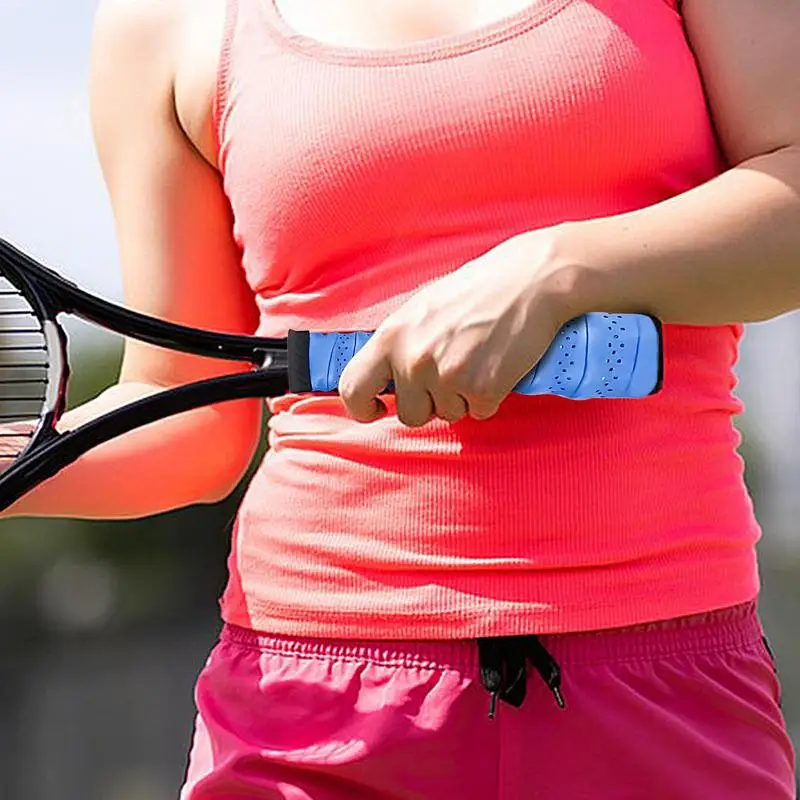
(454, 592)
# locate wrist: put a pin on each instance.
(586, 269)
(562, 273)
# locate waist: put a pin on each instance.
(509, 526)
(713, 631)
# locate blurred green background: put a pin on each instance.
(105, 626)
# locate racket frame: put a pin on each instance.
(50, 295)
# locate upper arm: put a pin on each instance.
(173, 223)
(748, 52)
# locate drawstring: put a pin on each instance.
(503, 664)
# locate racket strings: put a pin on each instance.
(24, 367)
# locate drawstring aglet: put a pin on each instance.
(492, 705)
(491, 669)
(546, 666)
(553, 682)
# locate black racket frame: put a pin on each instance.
(51, 295)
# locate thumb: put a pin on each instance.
(363, 379)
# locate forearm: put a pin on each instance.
(725, 252)
(196, 457)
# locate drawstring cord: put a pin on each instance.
(503, 666)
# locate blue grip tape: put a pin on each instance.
(596, 355)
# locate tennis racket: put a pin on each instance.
(594, 356)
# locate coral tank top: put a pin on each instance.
(355, 176)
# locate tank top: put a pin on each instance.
(356, 176)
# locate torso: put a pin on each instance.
(361, 163)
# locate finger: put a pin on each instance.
(363, 379)
(481, 408)
(414, 403)
(448, 405)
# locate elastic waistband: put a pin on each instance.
(727, 629)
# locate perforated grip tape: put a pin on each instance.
(594, 356)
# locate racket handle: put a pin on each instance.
(594, 356)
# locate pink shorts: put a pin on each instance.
(684, 710)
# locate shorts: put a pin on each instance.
(682, 710)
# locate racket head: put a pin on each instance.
(33, 366)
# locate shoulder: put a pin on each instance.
(165, 53)
(139, 28)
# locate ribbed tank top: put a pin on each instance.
(355, 177)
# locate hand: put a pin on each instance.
(460, 345)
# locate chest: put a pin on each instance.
(367, 159)
(557, 95)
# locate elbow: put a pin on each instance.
(232, 441)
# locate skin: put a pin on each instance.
(727, 251)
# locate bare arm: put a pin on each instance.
(179, 263)
(727, 251)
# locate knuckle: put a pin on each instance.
(483, 388)
(454, 376)
(418, 361)
(485, 395)
(387, 338)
